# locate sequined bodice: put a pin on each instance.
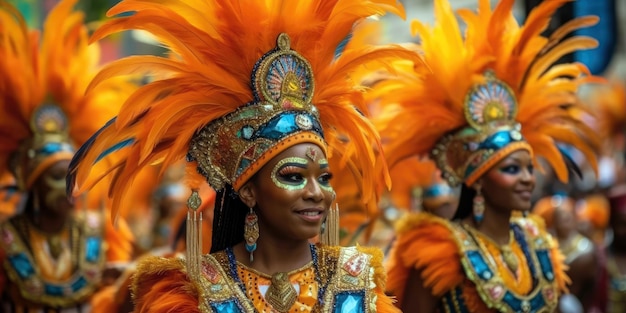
(338, 280)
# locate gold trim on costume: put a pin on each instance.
(87, 258)
(481, 269)
(346, 273)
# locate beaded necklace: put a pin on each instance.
(232, 267)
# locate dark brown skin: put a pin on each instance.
(583, 275)
(618, 246)
(583, 279)
(506, 187)
(49, 193)
(283, 244)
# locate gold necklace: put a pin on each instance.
(508, 256)
(281, 294)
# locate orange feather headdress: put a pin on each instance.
(208, 108)
(489, 92)
(44, 111)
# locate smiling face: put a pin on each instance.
(509, 184)
(291, 193)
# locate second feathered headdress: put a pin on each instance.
(489, 92)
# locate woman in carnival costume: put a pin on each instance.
(581, 257)
(488, 104)
(53, 255)
(245, 101)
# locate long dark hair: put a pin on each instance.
(228, 219)
(466, 203)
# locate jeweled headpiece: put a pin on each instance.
(488, 92)
(48, 144)
(490, 109)
(43, 110)
(233, 148)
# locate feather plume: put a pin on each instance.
(428, 101)
(216, 45)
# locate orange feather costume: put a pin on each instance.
(482, 96)
(43, 114)
(250, 79)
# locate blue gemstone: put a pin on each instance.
(279, 127)
(497, 141)
(437, 190)
(546, 265)
(54, 147)
(53, 290)
(50, 148)
(353, 302)
(228, 306)
(247, 131)
(79, 284)
(517, 304)
(243, 164)
(284, 124)
(22, 265)
(501, 139)
(92, 253)
(479, 264)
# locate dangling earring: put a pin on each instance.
(251, 232)
(329, 233)
(479, 205)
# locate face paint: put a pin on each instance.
(279, 202)
(325, 184)
(287, 173)
(55, 183)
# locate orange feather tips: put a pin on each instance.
(488, 92)
(200, 105)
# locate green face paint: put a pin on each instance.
(324, 180)
(286, 173)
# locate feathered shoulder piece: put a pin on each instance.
(250, 79)
(488, 92)
(43, 110)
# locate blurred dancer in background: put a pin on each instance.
(487, 105)
(54, 253)
(581, 255)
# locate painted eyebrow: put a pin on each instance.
(519, 161)
(300, 165)
(323, 163)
